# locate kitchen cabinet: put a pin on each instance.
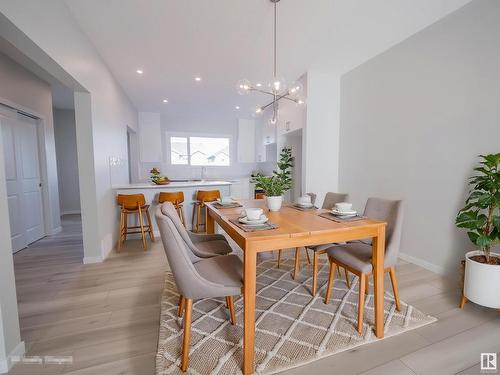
(265, 138)
(240, 189)
(150, 137)
(246, 141)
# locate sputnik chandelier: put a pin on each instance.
(277, 88)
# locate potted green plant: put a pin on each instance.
(481, 218)
(279, 183)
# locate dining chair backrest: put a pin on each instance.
(130, 201)
(390, 211)
(168, 209)
(190, 283)
(332, 198)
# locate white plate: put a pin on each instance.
(306, 205)
(263, 219)
(343, 213)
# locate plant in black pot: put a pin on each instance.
(481, 218)
(279, 183)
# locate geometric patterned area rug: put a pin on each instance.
(293, 328)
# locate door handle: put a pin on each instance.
(39, 184)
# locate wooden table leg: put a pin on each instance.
(378, 249)
(249, 276)
(210, 223)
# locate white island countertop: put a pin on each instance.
(175, 184)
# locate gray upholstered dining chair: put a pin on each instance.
(328, 203)
(196, 277)
(209, 245)
(356, 256)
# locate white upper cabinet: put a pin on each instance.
(150, 137)
(246, 141)
(265, 137)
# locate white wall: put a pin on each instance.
(10, 339)
(67, 160)
(102, 113)
(413, 121)
(204, 124)
(22, 89)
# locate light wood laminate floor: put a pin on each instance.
(106, 316)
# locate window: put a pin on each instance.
(199, 151)
(179, 151)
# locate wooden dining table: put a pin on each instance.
(296, 228)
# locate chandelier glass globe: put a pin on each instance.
(243, 86)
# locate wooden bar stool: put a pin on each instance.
(134, 204)
(177, 199)
(202, 197)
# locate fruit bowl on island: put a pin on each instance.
(157, 178)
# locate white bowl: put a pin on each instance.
(343, 207)
(253, 213)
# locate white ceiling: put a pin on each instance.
(225, 40)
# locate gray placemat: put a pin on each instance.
(340, 219)
(220, 206)
(254, 228)
(303, 208)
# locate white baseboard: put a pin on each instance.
(55, 230)
(90, 260)
(6, 364)
(423, 263)
(74, 212)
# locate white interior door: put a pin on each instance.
(22, 172)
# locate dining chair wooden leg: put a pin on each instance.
(361, 301)
(187, 335)
(394, 281)
(463, 301)
(347, 280)
(331, 277)
(315, 273)
(119, 247)
(150, 226)
(308, 257)
(198, 215)
(367, 284)
(182, 303)
(279, 257)
(296, 269)
(230, 304)
(125, 226)
(194, 216)
(141, 224)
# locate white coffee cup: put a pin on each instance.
(305, 200)
(226, 200)
(343, 207)
(253, 213)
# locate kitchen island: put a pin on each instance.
(188, 187)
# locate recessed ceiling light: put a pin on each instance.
(258, 84)
(165, 100)
(237, 107)
(139, 71)
(197, 79)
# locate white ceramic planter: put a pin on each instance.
(274, 203)
(481, 283)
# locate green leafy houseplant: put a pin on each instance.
(480, 216)
(281, 180)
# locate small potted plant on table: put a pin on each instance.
(279, 183)
(481, 218)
